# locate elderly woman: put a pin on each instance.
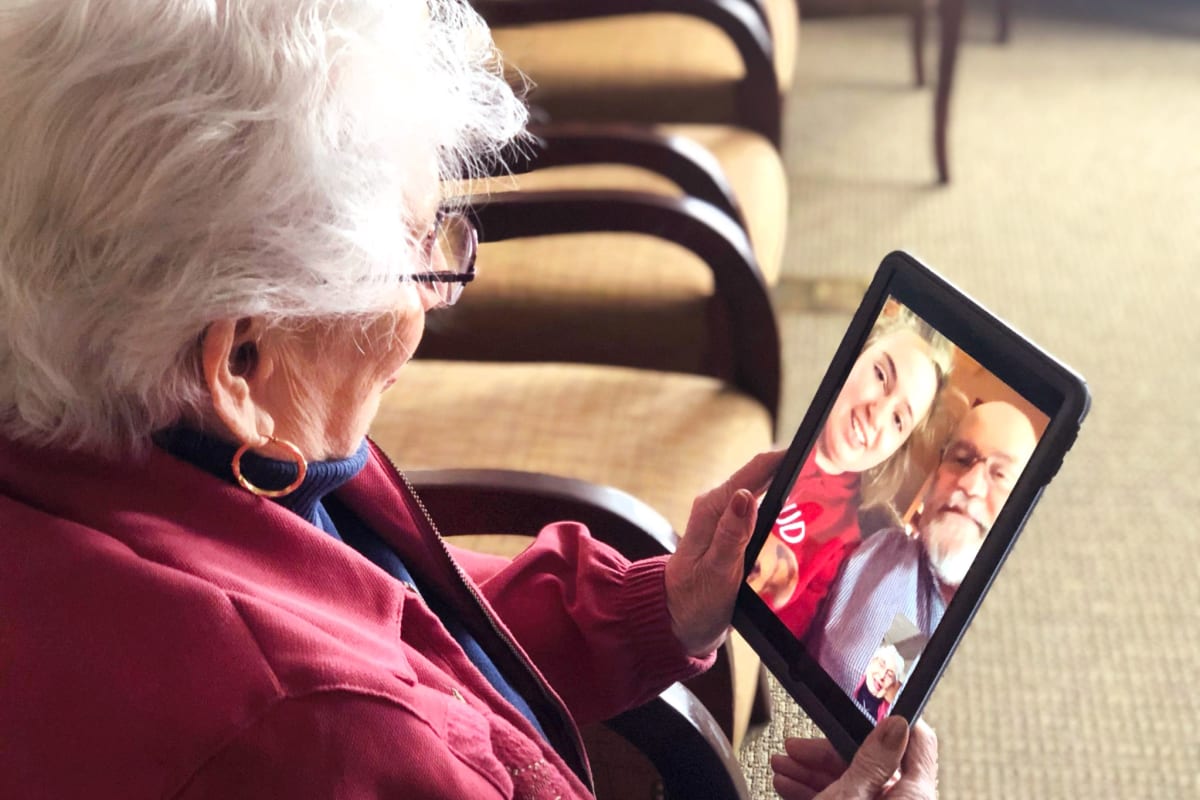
(220, 232)
(880, 683)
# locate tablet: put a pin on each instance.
(930, 439)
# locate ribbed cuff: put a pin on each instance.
(663, 658)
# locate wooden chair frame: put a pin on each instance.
(678, 734)
(749, 329)
(759, 102)
(686, 163)
(950, 15)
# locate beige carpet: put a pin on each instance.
(1074, 213)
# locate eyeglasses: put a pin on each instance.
(454, 240)
(1001, 473)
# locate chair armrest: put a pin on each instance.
(685, 162)
(760, 8)
(753, 361)
(743, 21)
(495, 501)
(528, 12)
(685, 744)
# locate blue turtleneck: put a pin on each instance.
(323, 477)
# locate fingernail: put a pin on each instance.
(893, 732)
(741, 503)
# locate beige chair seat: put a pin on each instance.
(647, 67)
(680, 434)
(783, 16)
(545, 298)
(749, 162)
(662, 437)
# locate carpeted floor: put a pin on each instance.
(1074, 213)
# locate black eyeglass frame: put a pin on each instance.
(466, 273)
(956, 462)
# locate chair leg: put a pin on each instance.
(951, 30)
(1003, 20)
(918, 42)
(760, 712)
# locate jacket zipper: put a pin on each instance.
(516, 651)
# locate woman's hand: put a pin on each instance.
(704, 574)
(812, 769)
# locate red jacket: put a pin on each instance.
(164, 634)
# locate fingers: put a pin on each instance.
(810, 764)
(919, 770)
(875, 762)
(790, 789)
(702, 582)
(817, 756)
(728, 547)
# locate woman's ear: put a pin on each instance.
(234, 372)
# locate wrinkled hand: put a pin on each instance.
(812, 769)
(704, 573)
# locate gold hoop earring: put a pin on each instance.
(301, 470)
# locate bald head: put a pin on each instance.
(1000, 428)
(985, 455)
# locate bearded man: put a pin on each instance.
(893, 574)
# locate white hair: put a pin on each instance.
(891, 657)
(168, 163)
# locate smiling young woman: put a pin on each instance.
(890, 395)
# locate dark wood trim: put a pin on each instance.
(1003, 21)
(761, 710)
(496, 501)
(951, 14)
(688, 164)
(489, 501)
(759, 100)
(753, 361)
(760, 8)
(918, 42)
(685, 744)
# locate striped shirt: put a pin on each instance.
(887, 576)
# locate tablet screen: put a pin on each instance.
(890, 506)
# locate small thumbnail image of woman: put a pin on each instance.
(880, 683)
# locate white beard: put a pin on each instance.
(949, 545)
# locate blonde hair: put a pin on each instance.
(881, 482)
(167, 163)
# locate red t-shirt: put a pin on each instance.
(819, 521)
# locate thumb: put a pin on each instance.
(733, 530)
(920, 764)
(875, 762)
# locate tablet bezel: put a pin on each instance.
(1044, 381)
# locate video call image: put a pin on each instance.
(888, 668)
(909, 471)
